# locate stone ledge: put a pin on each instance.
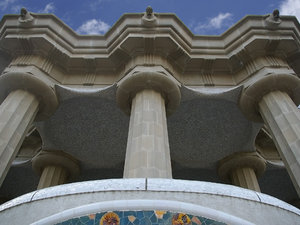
(148, 185)
(224, 201)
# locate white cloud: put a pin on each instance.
(93, 26)
(290, 7)
(215, 23)
(49, 8)
(4, 4)
(218, 21)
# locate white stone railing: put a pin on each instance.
(221, 202)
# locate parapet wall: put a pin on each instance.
(225, 204)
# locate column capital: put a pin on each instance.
(56, 158)
(241, 160)
(253, 93)
(156, 80)
(46, 96)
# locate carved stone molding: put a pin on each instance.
(156, 80)
(241, 160)
(46, 95)
(56, 158)
(253, 93)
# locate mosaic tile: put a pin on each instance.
(77, 222)
(130, 213)
(147, 217)
(140, 214)
(148, 214)
(167, 216)
(110, 218)
(159, 214)
(120, 213)
(137, 222)
(153, 219)
(196, 220)
(146, 221)
(124, 220)
(181, 219)
(131, 218)
(84, 219)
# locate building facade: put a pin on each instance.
(149, 123)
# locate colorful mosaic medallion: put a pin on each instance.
(151, 217)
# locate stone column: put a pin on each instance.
(283, 118)
(242, 169)
(272, 99)
(24, 99)
(149, 96)
(245, 177)
(55, 168)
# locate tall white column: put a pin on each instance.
(283, 118)
(271, 99)
(16, 115)
(148, 153)
(24, 98)
(149, 96)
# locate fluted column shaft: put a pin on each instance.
(283, 118)
(24, 98)
(148, 95)
(148, 153)
(272, 98)
(17, 112)
(245, 177)
(52, 176)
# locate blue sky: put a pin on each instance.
(203, 17)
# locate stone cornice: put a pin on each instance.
(169, 38)
(131, 25)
